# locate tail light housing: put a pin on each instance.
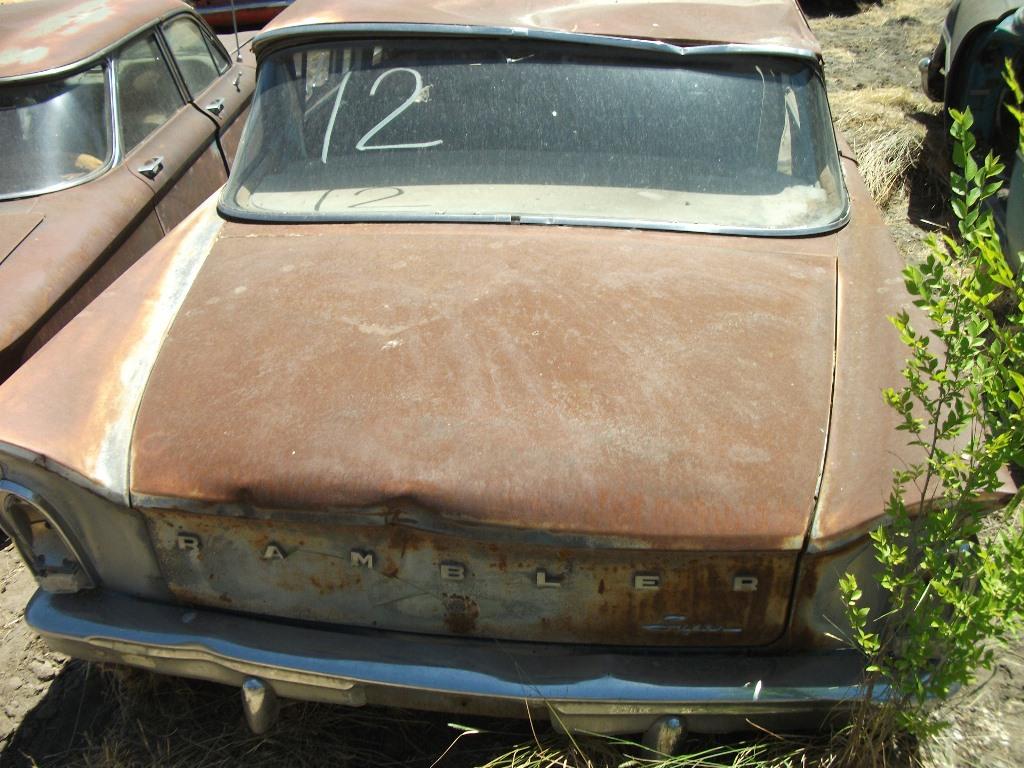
(47, 548)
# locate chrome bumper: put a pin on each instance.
(579, 688)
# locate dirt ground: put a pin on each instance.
(59, 713)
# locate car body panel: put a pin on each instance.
(192, 165)
(14, 228)
(964, 19)
(862, 427)
(499, 371)
(123, 329)
(48, 264)
(143, 236)
(966, 72)
(470, 580)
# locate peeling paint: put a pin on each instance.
(112, 460)
(37, 37)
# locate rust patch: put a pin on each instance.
(460, 614)
(540, 457)
(41, 36)
(597, 598)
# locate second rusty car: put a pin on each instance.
(227, 15)
(117, 119)
(531, 361)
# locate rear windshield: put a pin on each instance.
(54, 133)
(543, 132)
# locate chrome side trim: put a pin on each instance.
(239, 214)
(354, 667)
(292, 35)
(58, 469)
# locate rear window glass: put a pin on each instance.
(470, 129)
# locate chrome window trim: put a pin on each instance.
(176, 66)
(172, 65)
(157, 32)
(237, 214)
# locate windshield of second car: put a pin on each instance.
(53, 132)
(498, 128)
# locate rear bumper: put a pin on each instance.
(579, 688)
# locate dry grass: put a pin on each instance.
(139, 719)
(886, 128)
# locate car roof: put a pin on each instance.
(745, 22)
(40, 36)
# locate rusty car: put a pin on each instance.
(117, 119)
(227, 15)
(530, 362)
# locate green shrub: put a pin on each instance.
(950, 564)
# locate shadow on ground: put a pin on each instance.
(73, 706)
(95, 716)
(819, 8)
(928, 178)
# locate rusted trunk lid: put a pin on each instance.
(348, 410)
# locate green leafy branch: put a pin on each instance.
(951, 567)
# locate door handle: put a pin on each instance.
(152, 167)
(215, 107)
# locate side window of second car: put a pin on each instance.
(147, 95)
(195, 62)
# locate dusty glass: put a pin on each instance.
(54, 133)
(147, 95)
(195, 62)
(500, 130)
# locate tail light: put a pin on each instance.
(45, 546)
